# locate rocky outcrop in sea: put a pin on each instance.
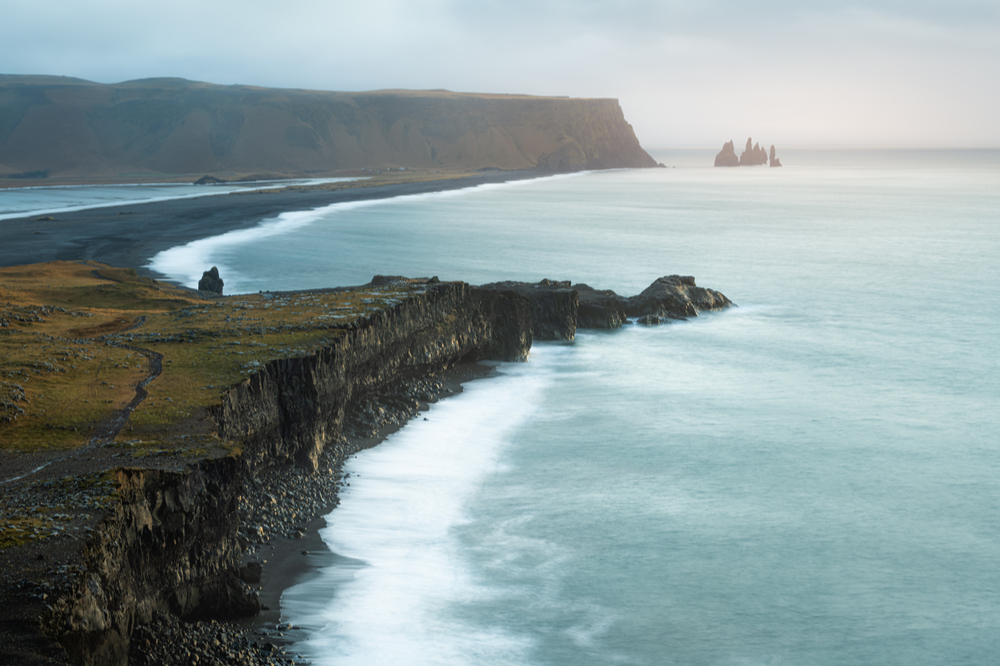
(753, 155)
(559, 308)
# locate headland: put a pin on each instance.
(161, 451)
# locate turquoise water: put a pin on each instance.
(808, 478)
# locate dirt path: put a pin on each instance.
(106, 432)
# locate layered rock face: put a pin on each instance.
(170, 545)
(293, 407)
(70, 127)
(559, 308)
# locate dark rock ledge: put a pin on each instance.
(559, 308)
(176, 554)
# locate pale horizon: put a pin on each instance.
(880, 74)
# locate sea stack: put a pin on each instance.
(752, 156)
(210, 281)
(727, 156)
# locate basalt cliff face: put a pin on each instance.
(64, 127)
(170, 543)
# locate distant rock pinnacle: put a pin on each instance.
(753, 155)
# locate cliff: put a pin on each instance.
(163, 537)
(62, 127)
(142, 524)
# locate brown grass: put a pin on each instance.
(68, 372)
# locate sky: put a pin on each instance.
(688, 73)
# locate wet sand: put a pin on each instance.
(129, 235)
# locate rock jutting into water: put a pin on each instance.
(752, 156)
(558, 308)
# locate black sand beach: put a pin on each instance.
(130, 235)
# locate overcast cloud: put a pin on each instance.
(884, 73)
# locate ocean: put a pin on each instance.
(808, 478)
(20, 202)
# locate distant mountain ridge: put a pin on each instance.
(70, 127)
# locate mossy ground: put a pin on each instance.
(72, 337)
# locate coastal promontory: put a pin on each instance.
(155, 442)
(60, 127)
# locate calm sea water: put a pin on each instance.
(809, 478)
(39, 200)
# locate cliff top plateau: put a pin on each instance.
(165, 128)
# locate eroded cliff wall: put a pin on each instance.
(171, 544)
(68, 127)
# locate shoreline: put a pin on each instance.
(290, 561)
(130, 235)
(290, 558)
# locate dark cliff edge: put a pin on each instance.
(171, 543)
(558, 308)
(59, 127)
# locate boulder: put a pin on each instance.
(210, 281)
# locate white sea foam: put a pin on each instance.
(391, 604)
(186, 263)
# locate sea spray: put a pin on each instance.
(400, 567)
